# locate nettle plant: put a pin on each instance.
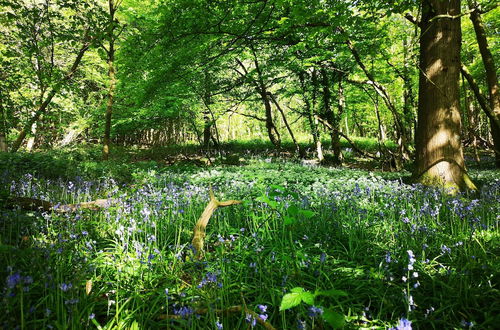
(313, 305)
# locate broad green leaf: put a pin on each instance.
(296, 296)
(336, 320)
(308, 298)
(290, 300)
(289, 220)
(307, 213)
(293, 210)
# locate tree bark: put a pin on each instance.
(112, 80)
(481, 98)
(337, 151)
(285, 121)
(311, 115)
(439, 155)
(272, 132)
(3, 129)
(491, 75)
(332, 120)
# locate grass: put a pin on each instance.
(392, 251)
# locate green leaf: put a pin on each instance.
(290, 300)
(293, 210)
(334, 319)
(332, 293)
(307, 213)
(289, 220)
(296, 296)
(308, 298)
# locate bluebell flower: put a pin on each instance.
(250, 319)
(301, 325)
(183, 311)
(445, 249)
(218, 325)
(322, 257)
(388, 257)
(65, 287)
(315, 311)
(403, 324)
(13, 280)
(262, 308)
(91, 316)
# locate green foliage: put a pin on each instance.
(346, 251)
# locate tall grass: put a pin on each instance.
(397, 251)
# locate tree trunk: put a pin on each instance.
(112, 80)
(43, 106)
(311, 115)
(330, 116)
(31, 140)
(285, 121)
(408, 95)
(439, 156)
(272, 132)
(3, 130)
(491, 75)
(337, 151)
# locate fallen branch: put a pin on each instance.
(33, 204)
(201, 225)
(227, 311)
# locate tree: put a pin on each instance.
(110, 52)
(491, 75)
(439, 155)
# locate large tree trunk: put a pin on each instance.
(439, 156)
(491, 75)
(112, 80)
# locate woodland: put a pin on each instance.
(239, 164)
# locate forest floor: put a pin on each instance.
(309, 247)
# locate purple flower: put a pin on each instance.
(183, 311)
(315, 311)
(91, 316)
(218, 325)
(301, 325)
(13, 280)
(322, 257)
(262, 308)
(250, 319)
(65, 287)
(403, 324)
(445, 249)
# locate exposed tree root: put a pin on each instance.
(227, 311)
(201, 225)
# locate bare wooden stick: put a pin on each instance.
(201, 225)
(227, 311)
(33, 204)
